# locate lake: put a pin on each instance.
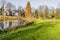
(11, 23)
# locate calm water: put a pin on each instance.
(11, 23)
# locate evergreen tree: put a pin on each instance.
(2, 9)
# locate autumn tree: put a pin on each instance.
(28, 15)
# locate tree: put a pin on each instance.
(51, 13)
(20, 8)
(45, 12)
(28, 15)
(21, 11)
(9, 5)
(33, 11)
(3, 2)
(36, 13)
(2, 9)
(40, 12)
(57, 15)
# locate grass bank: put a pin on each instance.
(40, 30)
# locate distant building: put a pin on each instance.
(14, 13)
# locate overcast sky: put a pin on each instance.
(34, 3)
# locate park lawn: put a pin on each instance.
(40, 30)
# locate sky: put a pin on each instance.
(34, 3)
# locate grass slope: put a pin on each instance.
(47, 30)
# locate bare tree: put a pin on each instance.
(45, 12)
(51, 13)
(9, 5)
(40, 12)
(21, 11)
(57, 15)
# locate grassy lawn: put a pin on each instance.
(40, 30)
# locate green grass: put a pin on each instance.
(43, 30)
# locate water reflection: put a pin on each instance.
(11, 23)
